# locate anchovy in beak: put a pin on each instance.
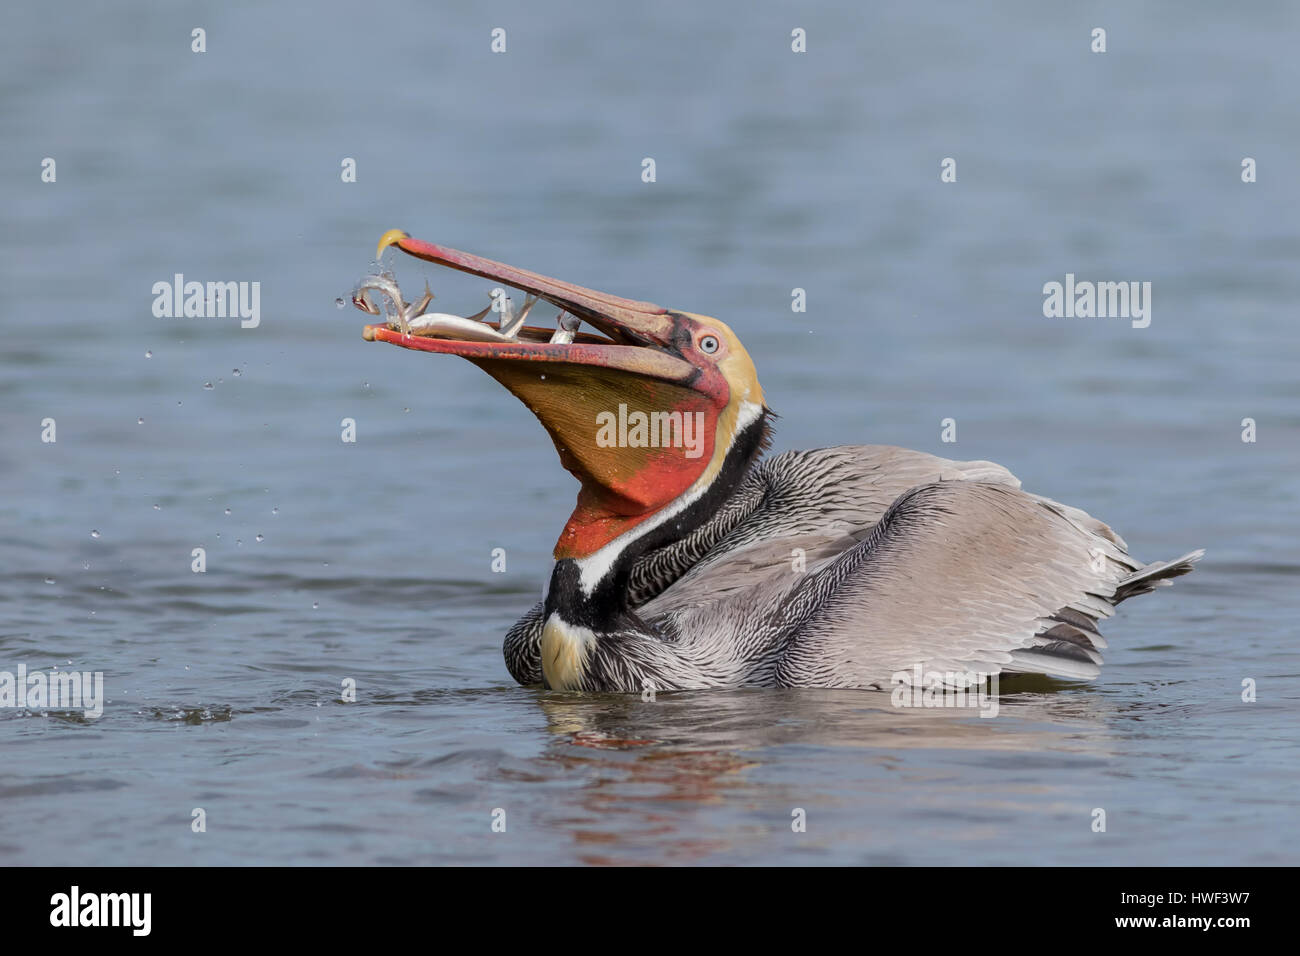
(510, 324)
(566, 326)
(388, 287)
(413, 320)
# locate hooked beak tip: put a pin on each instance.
(391, 238)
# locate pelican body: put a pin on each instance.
(700, 564)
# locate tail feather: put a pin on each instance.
(1156, 575)
(1069, 644)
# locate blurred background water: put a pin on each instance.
(775, 171)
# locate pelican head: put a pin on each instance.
(657, 413)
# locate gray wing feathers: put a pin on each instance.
(966, 576)
(814, 506)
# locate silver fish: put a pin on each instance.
(388, 287)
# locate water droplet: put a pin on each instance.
(148, 353)
(139, 421)
(218, 534)
(94, 533)
(157, 507)
(315, 604)
(49, 580)
(209, 386)
(259, 538)
(227, 511)
(275, 511)
(406, 409)
(180, 403)
(365, 384)
(221, 381)
(543, 378)
(339, 303)
(239, 542)
(236, 372)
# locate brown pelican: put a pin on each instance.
(690, 562)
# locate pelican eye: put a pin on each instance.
(708, 344)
